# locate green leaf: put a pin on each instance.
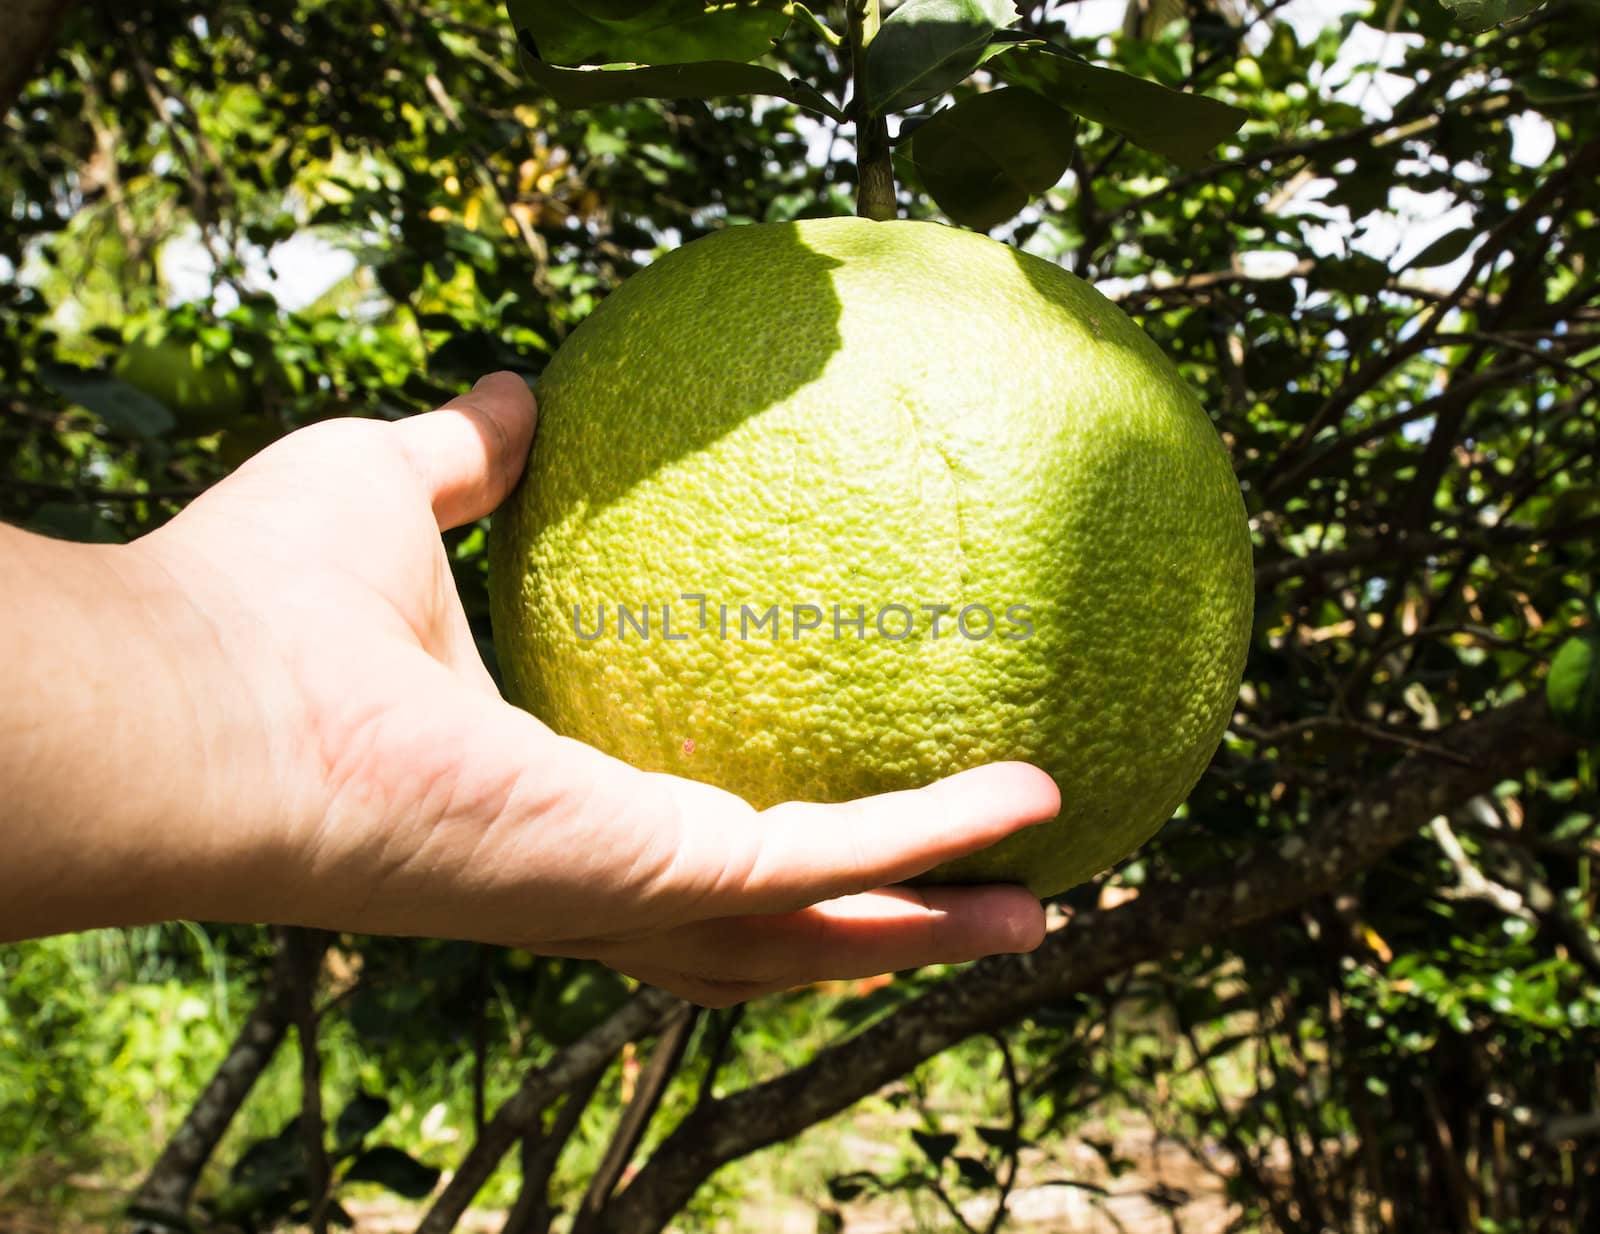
(648, 31)
(982, 159)
(395, 1169)
(935, 1146)
(359, 1119)
(1573, 687)
(1183, 127)
(122, 408)
(616, 83)
(1154, 17)
(1483, 14)
(1445, 249)
(925, 47)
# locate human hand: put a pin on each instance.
(359, 770)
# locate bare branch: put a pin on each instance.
(1471, 883)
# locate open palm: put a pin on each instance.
(412, 799)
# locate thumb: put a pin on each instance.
(470, 453)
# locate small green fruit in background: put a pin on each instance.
(204, 393)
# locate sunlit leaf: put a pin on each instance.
(927, 46)
(1483, 14)
(648, 32)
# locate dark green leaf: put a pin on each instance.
(936, 1146)
(1445, 249)
(649, 31)
(395, 1169)
(1356, 275)
(925, 47)
(1184, 127)
(1003, 1139)
(245, 1204)
(359, 1119)
(271, 1163)
(974, 1173)
(846, 1187)
(982, 159)
(122, 408)
(615, 83)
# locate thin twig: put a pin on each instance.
(542, 1085)
(664, 1062)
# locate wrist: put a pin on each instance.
(219, 758)
(126, 746)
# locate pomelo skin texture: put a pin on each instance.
(853, 413)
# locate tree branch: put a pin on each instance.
(31, 30)
(304, 949)
(1394, 548)
(162, 1200)
(532, 1213)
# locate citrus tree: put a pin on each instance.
(1355, 975)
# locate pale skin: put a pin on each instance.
(272, 710)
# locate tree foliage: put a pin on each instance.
(1357, 973)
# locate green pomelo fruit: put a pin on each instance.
(203, 395)
(885, 415)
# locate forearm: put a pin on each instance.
(111, 744)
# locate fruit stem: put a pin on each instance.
(875, 195)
